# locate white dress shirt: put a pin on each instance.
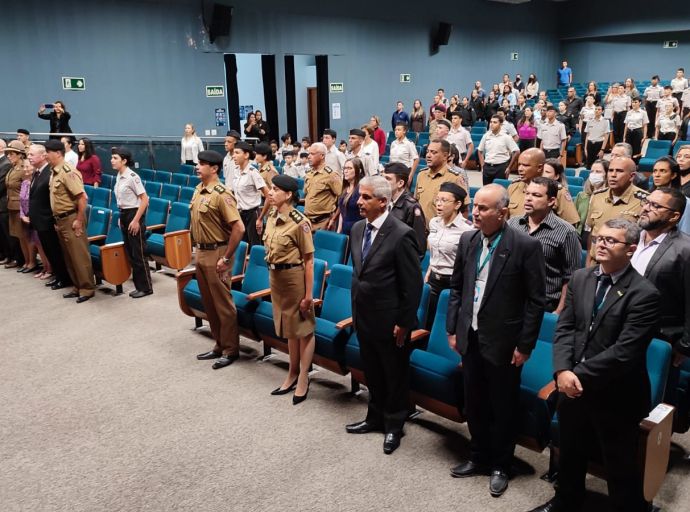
(643, 254)
(376, 225)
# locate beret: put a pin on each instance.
(24, 131)
(286, 183)
(330, 132)
(54, 145)
(455, 189)
(244, 146)
(444, 122)
(211, 157)
(358, 132)
(397, 168)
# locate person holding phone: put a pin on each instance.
(59, 118)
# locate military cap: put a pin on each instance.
(357, 132)
(263, 149)
(24, 131)
(330, 132)
(54, 145)
(397, 168)
(211, 157)
(244, 146)
(285, 183)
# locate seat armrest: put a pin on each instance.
(546, 392)
(318, 303)
(97, 238)
(186, 274)
(176, 233)
(155, 227)
(259, 294)
(344, 323)
(236, 279)
(419, 334)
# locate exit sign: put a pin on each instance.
(405, 78)
(514, 56)
(215, 91)
(337, 87)
(70, 83)
(670, 44)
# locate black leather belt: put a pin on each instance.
(283, 266)
(439, 277)
(318, 218)
(211, 247)
(63, 215)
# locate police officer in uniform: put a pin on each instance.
(216, 230)
(620, 199)
(264, 157)
(403, 206)
(322, 187)
(530, 165)
(132, 201)
(68, 202)
(290, 257)
(430, 179)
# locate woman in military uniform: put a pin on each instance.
(264, 157)
(290, 257)
(16, 154)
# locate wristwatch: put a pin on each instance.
(226, 260)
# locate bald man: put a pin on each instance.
(531, 165)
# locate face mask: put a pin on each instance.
(596, 179)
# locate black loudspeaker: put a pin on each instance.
(220, 22)
(441, 36)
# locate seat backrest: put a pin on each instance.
(256, 273)
(170, 192)
(337, 302)
(330, 246)
(194, 180)
(107, 180)
(180, 179)
(89, 192)
(87, 214)
(679, 145)
(423, 308)
(114, 231)
(153, 188)
(438, 340)
(320, 267)
(163, 176)
(186, 194)
(575, 180)
(658, 364)
(157, 212)
(503, 182)
(240, 259)
(187, 169)
(538, 369)
(657, 148)
(425, 262)
(147, 174)
(574, 190)
(548, 327)
(99, 221)
(180, 217)
(101, 197)
(584, 174)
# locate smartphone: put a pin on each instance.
(48, 105)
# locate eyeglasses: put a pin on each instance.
(444, 200)
(607, 241)
(654, 206)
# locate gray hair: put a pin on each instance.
(627, 147)
(632, 230)
(40, 148)
(320, 147)
(3, 144)
(380, 185)
(503, 199)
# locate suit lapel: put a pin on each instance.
(356, 249)
(663, 247)
(589, 293)
(615, 294)
(378, 241)
(498, 261)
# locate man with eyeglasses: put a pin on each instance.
(620, 199)
(599, 360)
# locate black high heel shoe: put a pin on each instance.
(296, 399)
(278, 391)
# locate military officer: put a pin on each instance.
(290, 257)
(68, 202)
(322, 187)
(264, 157)
(531, 165)
(403, 206)
(216, 230)
(430, 179)
(620, 199)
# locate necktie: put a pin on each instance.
(367, 240)
(605, 283)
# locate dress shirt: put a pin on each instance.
(229, 170)
(71, 158)
(404, 152)
(679, 84)
(482, 276)
(668, 124)
(643, 253)
(552, 135)
(620, 102)
(247, 188)
(497, 148)
(635, 119)
(375, 226)
(653, 93)
(460, 138)
(335, 159)
(597, 129)
(443, 243)
(128, 188)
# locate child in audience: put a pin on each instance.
(290, 169)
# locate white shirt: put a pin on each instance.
(404, 152)
(653, 93)
(482, 277)
(371, 166)
(247, 187)
(635, 120)
(668, 124)
(190, 148)
(335, 159)
(597, 129)
(295, 171)
(460, 138)
(128, 188)
(587, 113)
(376, 225)
(229, 170)
(508, 128)
(443, 243)
(620, 103)
(679, 84)
(643, 254)
(497, 149)
(552, 134)
(71, 157)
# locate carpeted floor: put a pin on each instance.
(105, 408)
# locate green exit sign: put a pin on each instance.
(215, 91)
(71, 83)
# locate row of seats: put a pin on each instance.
(105, 198)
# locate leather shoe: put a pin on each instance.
(279, 391)
(498, 483)
(391, 442)
(58, 286)
(224, 361)
(467, 469)
(52, 282)
(209, 355)
(12, 264)
(139, 294)
(549, 506)
(363, 427)
(83, 298)
(70, 295)
(298, 399)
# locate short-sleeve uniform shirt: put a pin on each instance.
(288, 237)
(128, 188)
(322, 187)
(65, 187)
(213, 211)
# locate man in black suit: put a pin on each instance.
(41, 217)
(600, 367)
(495, 311)
(386, 289)
(7, 251)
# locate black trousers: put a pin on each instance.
(585, 423)
(618, 126)
(437, 283)
(492, 171)
(634, 138)
(650, 107)
(387, 369)
(552, 153)
(524, 144)
(593, 149)
(51, 246)
(491, 404)
(15, 250)
(5, 249)
(251, 236)
(134, 247)
(667, 136)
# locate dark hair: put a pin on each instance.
(455, 154)
(403, 125)
(678, 199)
(496, 116)
(551, 185)
(445, 145)
(88, 148)
(655, 77)
(399, 169)
(674, 167)
(64, 107)
(558, 168)
(359, 175)
(306, 139)
(285, 137)
(532, 78)
(125, 154)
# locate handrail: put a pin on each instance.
(115, 135)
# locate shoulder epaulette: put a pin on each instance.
(605, 189)
(296, 216)
(560, 186)
(132, 174)
(424, 169)
(219, 188)
(328, 169)
(453, 171)
(66, 168)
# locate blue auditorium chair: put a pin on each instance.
(655, 150)
(186, 194)
(575, 180)
(146, 174)
(97, 228)
(180, 179)
(156, 214)
(574, 190)
(153, 189)
(173, 247)
(100, 197)
(584, 174)
(503, 182)
(163, 176)
(89, 192)
(110, 261)
(189, 170)
(170, 192)
(679, 145)
(108, 180)
(330, 247)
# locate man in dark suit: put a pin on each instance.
(41, 217)
(495, 311)
(600, 367)
(386, 289)
(7, 251)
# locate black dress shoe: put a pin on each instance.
(139, 294)
(22, 270)
(58, 286)
(209, 355)
(549, 506)
(224, 361)
(391, 442)
(498, 483)
(363, 427)
(70, 295)
(51, 282)
(467, 469)
(298, 399)
(11, 264)
(83, 298)
(279, 391)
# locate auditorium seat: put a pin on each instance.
(170, 192)
(411, 136)
(180, 179)
(679, 145)
(153, 188)
(100, 197)
(569, 171)
(473, 191)
(330, 247)
(655, 150)
(425, 262)
(89, 192)
(110, 261)
(186, 194)
(188, 169)
(574, 190)
(147, 174)
(108, 180)
(194, 180)
(584, 174)
(173, 248)
(423, 139)
(156, 214)
(97, 228)
(163, 176)
(503, 182)
(575, 180)
(678, 395)
(574, 149)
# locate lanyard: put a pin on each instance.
(492, 248)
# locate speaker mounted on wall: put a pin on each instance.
(219, 23)
(440, 36)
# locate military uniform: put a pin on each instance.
(564, 207)
(322, 187)
(13, 181)
(407, 209)
(268, 172)
(602, 208)
(65, 187)
(213, 210)
(428, 185)
(288, 239)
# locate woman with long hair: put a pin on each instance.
(89, 165)
(347, 212)
(527, 130)
(418, 117)
(191, 146)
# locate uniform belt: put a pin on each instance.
(318, 218)
(283, 266)
(122, 210)
(63, 215)
(439, 277)
(211, 247)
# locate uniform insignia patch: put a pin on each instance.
(568, 197)
(306, 228)
(417, 212)
(219, 188)
(229, 201)
(296, 216)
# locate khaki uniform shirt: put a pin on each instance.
(268, 172)
(602, 208)
(13, 182)
(564, 208)
(287, 237)
(65, 186)
(322, 187)
(428, 186)
(214, 209)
